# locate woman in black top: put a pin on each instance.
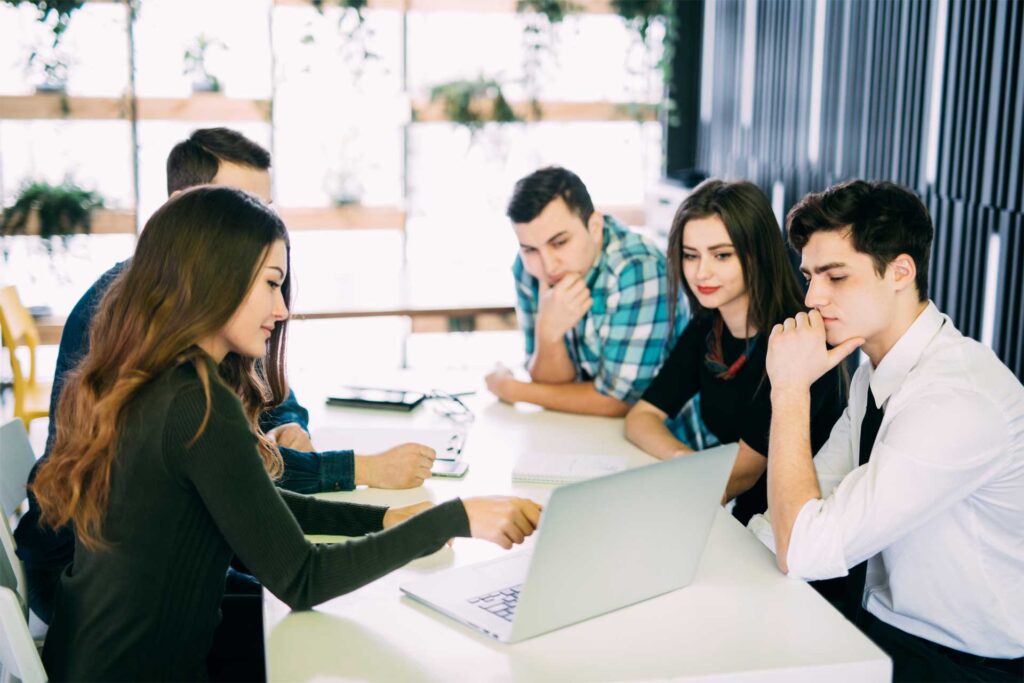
(161, 465)
(726, 251)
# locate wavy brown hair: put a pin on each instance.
(195, 263)
(754, 231)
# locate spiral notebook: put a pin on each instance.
(557, 468)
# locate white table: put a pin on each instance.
(740, 619)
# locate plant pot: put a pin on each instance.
(205, 86)
(51, 89)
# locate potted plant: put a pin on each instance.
(51, 211)
(473, 103)
(344, 188)
(195, 64)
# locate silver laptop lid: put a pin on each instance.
(616, 540)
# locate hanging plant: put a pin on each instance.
(49, 65)
(356, 35)
(62, 9)
(473, 103)
(539, 41)
(640, 16)
(552, 10)
(51, 211)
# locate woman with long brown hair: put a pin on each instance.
(160, 464)
(726, 252)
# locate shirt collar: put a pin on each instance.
(610, 224)
(905, 353)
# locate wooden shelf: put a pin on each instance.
(49, 106)
(113, 222)
(207, 107)
(352, 217)
(423, 320)
(427, 111)
(200, 107)
(203, 107)
(592, 6)
(104, 222)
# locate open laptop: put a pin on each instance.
(602, 544)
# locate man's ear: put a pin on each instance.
(903, 271)
(595, 226)
(174, 194)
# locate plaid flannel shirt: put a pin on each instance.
(623, 340)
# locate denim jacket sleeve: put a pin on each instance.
(317, 472)
(288, 411)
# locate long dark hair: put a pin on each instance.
(754, 231)
(196, 260)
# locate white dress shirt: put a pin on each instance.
(938, 510)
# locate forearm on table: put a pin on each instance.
(581, 398)
(749, 468)
(550, 362)
(317, 516)
(645, 428)
(791, 477)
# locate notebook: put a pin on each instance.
(558, 468)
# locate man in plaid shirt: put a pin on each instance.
(592, 302)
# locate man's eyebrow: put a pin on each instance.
(823, 268)
(548, 241)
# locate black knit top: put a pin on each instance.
(146, 608)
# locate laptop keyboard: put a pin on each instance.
(501, 603)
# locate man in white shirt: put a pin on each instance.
(922, 478)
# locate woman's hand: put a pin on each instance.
(503, 520)
(291, 435)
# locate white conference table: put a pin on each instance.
(740, 620)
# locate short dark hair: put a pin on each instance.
(884, 220)
(534, 192)
(195, 161)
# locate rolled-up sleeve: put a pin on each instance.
(317, 472)
(932, 454)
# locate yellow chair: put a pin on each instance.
(31, 398)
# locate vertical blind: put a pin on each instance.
(926, 93)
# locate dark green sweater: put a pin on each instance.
(147, 608)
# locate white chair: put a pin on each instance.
(16, 461)
(19, 659)
(12, 575)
